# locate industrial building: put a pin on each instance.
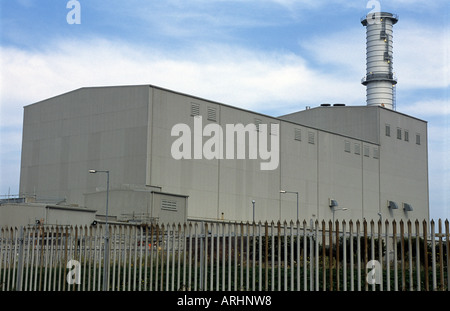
(327, 162)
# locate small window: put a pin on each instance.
(298, 134)
(311, 137)
(418, 139)
(388, 130)
(399, 133)
(406, 135)
(195, 109)
(366, 151)
(212, 114)
(376, 153)
(347, 146)
(357, 148)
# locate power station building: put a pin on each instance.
(169, 156)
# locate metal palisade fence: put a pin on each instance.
(313, 256)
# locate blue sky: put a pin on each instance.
(270, 56)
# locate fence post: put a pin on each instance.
(311, 256)
(20, 264)
(204, 257)
(266, 255)
(316, 250)
(305, 265)
(394, 233)
(330, 265)
(425, 253)
(189, 285)
(352, 286)
(372, 247)
(285, 255)
(338, 279)
(388, 269)
(344, 252)
(247, 258)
(229, 255)
(292, 255)
(410, 256)
(161, 266)
(202, 234)
(299, 262)
(241, 287)
(236, 252)
(358, 253)
(448, 253)
(324, 271)
(417, 254)
(441, 259)
(433, 255)
(380, 251)
(402, 249)
(365, 252)
(279, 254)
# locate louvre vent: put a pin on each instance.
(169, 205)
(399, 133)
(298, 134)
(347, 146)
(357, 149)
(257, 123)
(311, 137)
(376, 153)
(366, 151)
(273, 130)
(195, 109)
(212, 114)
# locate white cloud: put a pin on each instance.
(428, 108)
(342, 51)
(233, 75)
(415, 5)
(421, 55)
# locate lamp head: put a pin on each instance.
(333, 203)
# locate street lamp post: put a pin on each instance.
(284, 191)
(253, 202)
(333, 206)
(106, 255)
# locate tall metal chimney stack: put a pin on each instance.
(379, 79)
